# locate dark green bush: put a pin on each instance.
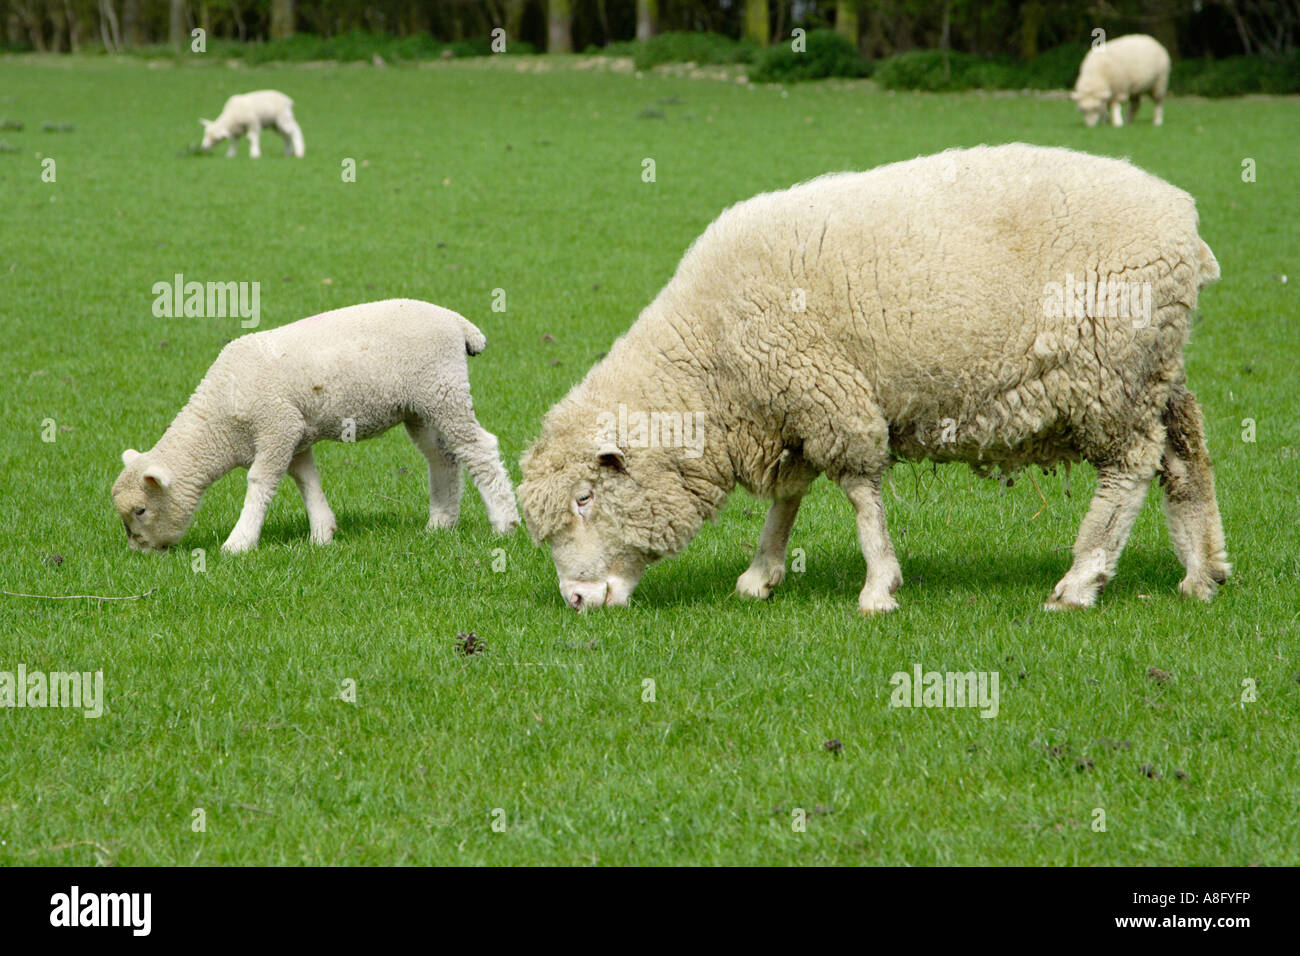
(926, 70)
(681, 47)
(827, 54)
(1054, 69)
(1236, 75)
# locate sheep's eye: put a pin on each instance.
(139, 512)
(584, 499)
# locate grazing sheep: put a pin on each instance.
(925, 309)
(1118, 70)
(344, 375)
(250, 113)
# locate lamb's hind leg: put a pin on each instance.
(1191, 511)
(444, 476)
(1121, 489)
(767, 570)
(884, 576)
(471, 445)
(319, 515)
(292, 133)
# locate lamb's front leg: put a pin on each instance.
(767, 570)
(319, 514)
(884, 576)
(254, 142)
(264, 476)
(233, 149)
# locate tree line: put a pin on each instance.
(878, 27)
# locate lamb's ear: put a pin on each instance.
(129, 456)
(205, 123)
(1074, 95)
(157, 475)
(611, 456)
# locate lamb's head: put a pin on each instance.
(1091, 102)
(607, 513)
(145, 497)
(214, 131)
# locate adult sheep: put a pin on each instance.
(925, 309)
(1118, 70)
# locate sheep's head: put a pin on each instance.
(144, 496)
(1091, 103)
(607, 513)
(213, 133)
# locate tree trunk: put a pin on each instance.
(1031, 22)
(846, 20)
(176, 24)
(647, 13)
(131, 22)
(514, 19)
(559, 26)
(756, 21)
(282, 20)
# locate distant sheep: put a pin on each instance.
(251, 113)
(1118, 70)
(344, 375)
(1001, 306)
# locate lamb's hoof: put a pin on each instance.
(441, 522)
(505, 528)
(238, 547)
(759, 584)
(876, 603)
(324, 538)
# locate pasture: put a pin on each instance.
(224, 683)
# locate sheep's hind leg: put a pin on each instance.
(884, 576)
(1102, 535)
(264, 476)
(767, 570)
(444, 476)
(319, 515)
(1191, 511)
(1134, 102)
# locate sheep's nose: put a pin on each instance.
(575, 601)
(584, 594)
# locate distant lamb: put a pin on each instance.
(1001, 306)
(344, 375)
(250, 113)
(1118, 70)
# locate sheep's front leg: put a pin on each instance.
(319, 515)
(1116, 118)
(1133, 102)
(254, 142)
(1105, 528)
(233, 149)
(884, 576)
(767, 570)
(264, 477)
(444, 476)
(1160, 113)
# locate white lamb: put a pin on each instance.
(344, 375)
(250, 113)
(1118, 70)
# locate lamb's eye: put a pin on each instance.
(584, 499)
(139, 512)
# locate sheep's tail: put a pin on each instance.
(475, 341)
(1209, 265)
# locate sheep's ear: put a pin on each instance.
(205, 123)
(1074, 95)
(158, 476)
(129, 456)
(611, 456)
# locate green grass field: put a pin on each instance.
(223, 686)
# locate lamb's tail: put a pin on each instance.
(1209, 265)
(475, 341)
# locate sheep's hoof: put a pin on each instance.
(325, 538)
(1201, 588)
(505, 528)
(758, 583)
(441, 522)
(876, 604)
(238, 547)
